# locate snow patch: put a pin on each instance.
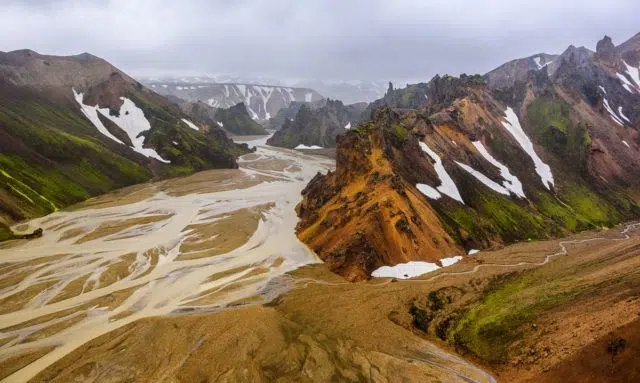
(602, 89)
(447, 186)
(484, 179)
(450, 260)
(348, 126)
(622, 114)
(613, 115)
(405, 270)
(539, 64)
(190, 124)
(511, 182)
(473, 251)
(308, 97)
(412, 269)
(626, 143)
(428, 191)
(131, 120)
(305, 147)
(91, 112)
(512, 124)
(634, 73)
(220, 123)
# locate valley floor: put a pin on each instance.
(202, 279)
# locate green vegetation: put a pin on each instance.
(549, 119)
(488, 328)
(236, 120)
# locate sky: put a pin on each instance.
(312, 39)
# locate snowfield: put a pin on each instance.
(512, 124)
(448, 186)
(511, 182)
(412, 269)
(190, 124)
(131, 120)
(305, 147)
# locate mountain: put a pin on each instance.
(481, 163)
(234, 120)
(75, 127)
(317, 124)
(517, 70)
(349, 92)
(262, 101)
(237, 120)
(414, 96)
(284, 114)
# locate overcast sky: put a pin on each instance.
(325, 39)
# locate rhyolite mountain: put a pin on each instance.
(317, 124)
(234, 120)
(477, 162)
(262, 101)
(75, 127)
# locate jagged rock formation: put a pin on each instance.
(478, 166)
(317, 124)
(57, 147)
(284, 114)
(262, 101)
(414, 96)
(236, 120)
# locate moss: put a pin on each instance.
(490, 327)
(5, 232)
(553, 129)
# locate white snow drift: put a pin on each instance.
(190, 124)
(412, 269)
(305, 147)
(512, 124)
(131, 120)
(447, 186)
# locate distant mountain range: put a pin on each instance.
(262, 101)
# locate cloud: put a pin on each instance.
(355, 39)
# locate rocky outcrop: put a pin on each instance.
(477, 167)
(236, 120)
(317, 124)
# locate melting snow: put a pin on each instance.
(622, 114)
(512, 124)
(91, 112)
(450, 261)
(613, 115)
(511, 182)
(484, 179)
(405, 270)
(634, 73)
(302, 146)
(447, 187)
(348, 126)
(626, 143)
(190, 124)
(131, 120)
(428, 191)
(412, 269)
(539, 64)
